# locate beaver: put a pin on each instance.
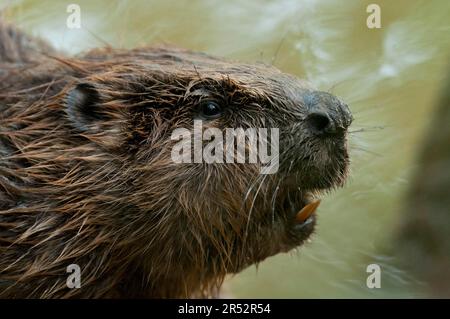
(87, 178)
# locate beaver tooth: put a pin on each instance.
(307, 211)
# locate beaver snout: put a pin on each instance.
(326, 115)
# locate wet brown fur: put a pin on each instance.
(109, 198)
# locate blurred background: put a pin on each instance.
(394, 80)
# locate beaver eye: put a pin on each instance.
(211, 109)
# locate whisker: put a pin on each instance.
(253, 202)
(274, 196)
(277, 50)
(366, 150)
(98, 38)
(367, 129)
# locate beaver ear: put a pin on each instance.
(82, 106)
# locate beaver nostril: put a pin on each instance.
(319, 122)
(326, 114)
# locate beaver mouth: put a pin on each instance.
(299, 209)
(306, 214)
(301, 192)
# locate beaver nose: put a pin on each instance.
(326, 114)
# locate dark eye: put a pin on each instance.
(210, 109)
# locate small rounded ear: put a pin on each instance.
(82, 106)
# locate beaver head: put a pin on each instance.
(91, 170)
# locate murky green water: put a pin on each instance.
(390, 77)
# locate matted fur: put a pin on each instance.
(108, 197)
